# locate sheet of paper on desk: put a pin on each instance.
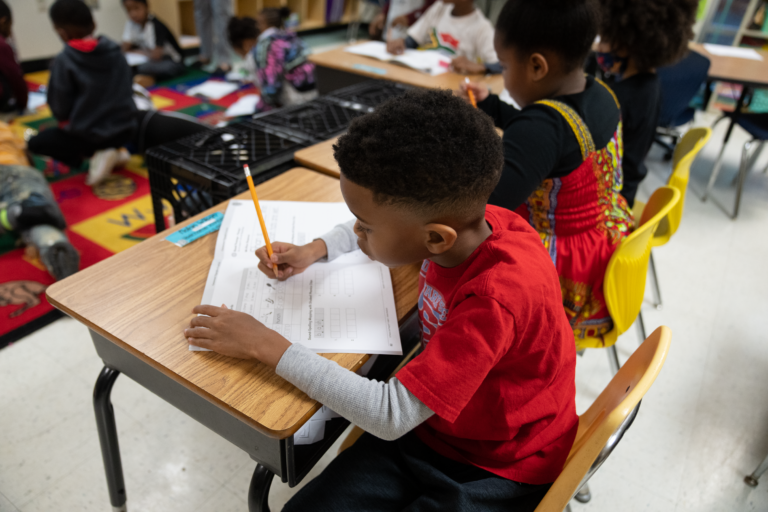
(213, 89)
(432, 62)
(732, 51)
(136, 59)
(346, 305)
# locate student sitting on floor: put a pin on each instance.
(243, 34)
(283, 73)
(484, 417)
(89, 93)
(13, 87)
(635, 39)
(146, 34)
(562, 151)
(457, 28)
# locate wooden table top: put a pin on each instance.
(344, 61)
(733, 69)
(320, 158)
(141, 299)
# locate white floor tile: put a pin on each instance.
(7, 506)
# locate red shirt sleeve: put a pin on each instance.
(456, 361)
(11, 70)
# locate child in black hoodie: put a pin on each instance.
(89, 93)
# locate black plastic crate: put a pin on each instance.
(369, 94)
(199, 171)
(320, 119)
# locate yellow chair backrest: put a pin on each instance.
(624, 286)
(685, 153)
(606, 417)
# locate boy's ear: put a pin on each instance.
(62, 33)
(538, 66)
(439, 238)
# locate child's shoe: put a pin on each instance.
(102, 164)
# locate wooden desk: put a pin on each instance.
(336, 69)
(320, 158)
(136, 304)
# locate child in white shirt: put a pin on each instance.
(458, 29)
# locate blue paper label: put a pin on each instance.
(370, 69)
(198, 229)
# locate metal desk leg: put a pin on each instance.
(110, 449)
(258, 493)
(719, 162)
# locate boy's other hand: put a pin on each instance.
(464, 66)
(235, 334)
(481, 91)
(290, 259)
(396, 46)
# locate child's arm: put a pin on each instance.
(61, 91)
(10, 69)
(294, 259)
(386, 410)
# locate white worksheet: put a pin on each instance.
(732, 51)
(346, 305)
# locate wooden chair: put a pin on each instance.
(603, 425)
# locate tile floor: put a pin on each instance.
(701, 428)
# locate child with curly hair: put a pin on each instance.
(636, 38)
(484, 417)
(562, 150)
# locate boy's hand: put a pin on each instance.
(396, 46)
(481, 92)
(290, 259)
(376, 27)
(400, 21)
(235, 334)
(464, 66)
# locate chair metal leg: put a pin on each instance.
(656, 288)
(746, 163)
(110, 449)
(715, 171)
(583, 495)
(568, 508)
(641, 327)
(258, 492)
(613, 362)
(752, 479)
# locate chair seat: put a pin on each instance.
(609, 339)
(755, 124)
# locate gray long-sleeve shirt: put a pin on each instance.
(385, 409)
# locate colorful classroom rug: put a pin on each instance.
(101, 221)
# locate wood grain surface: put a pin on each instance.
(142, 299)
(320, 158)
(734, 69)
(345, 61)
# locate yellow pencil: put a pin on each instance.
(470, 93)
(258, 212)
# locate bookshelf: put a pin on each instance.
(180, 18)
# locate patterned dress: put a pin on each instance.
(581, 219)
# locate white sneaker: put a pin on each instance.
(101, 165)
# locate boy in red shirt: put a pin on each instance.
(484, 417)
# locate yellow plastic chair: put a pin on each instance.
(624, 285)
(603, 425)
(685, 153)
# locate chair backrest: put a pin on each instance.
(679, 84)
(685, 153)
(624, 286)
(604, 423)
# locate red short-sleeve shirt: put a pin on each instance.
(499, 361)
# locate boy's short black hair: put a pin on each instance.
(240, 29)
(565, 27)
(275, 17)
(72, 13)
(653, 32)
(428, 150)
(5, 11)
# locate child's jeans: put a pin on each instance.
(71, 149)
(407, 475)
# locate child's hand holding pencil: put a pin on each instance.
(288, 260)
(468, 90)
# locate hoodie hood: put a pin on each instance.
(101, 58)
